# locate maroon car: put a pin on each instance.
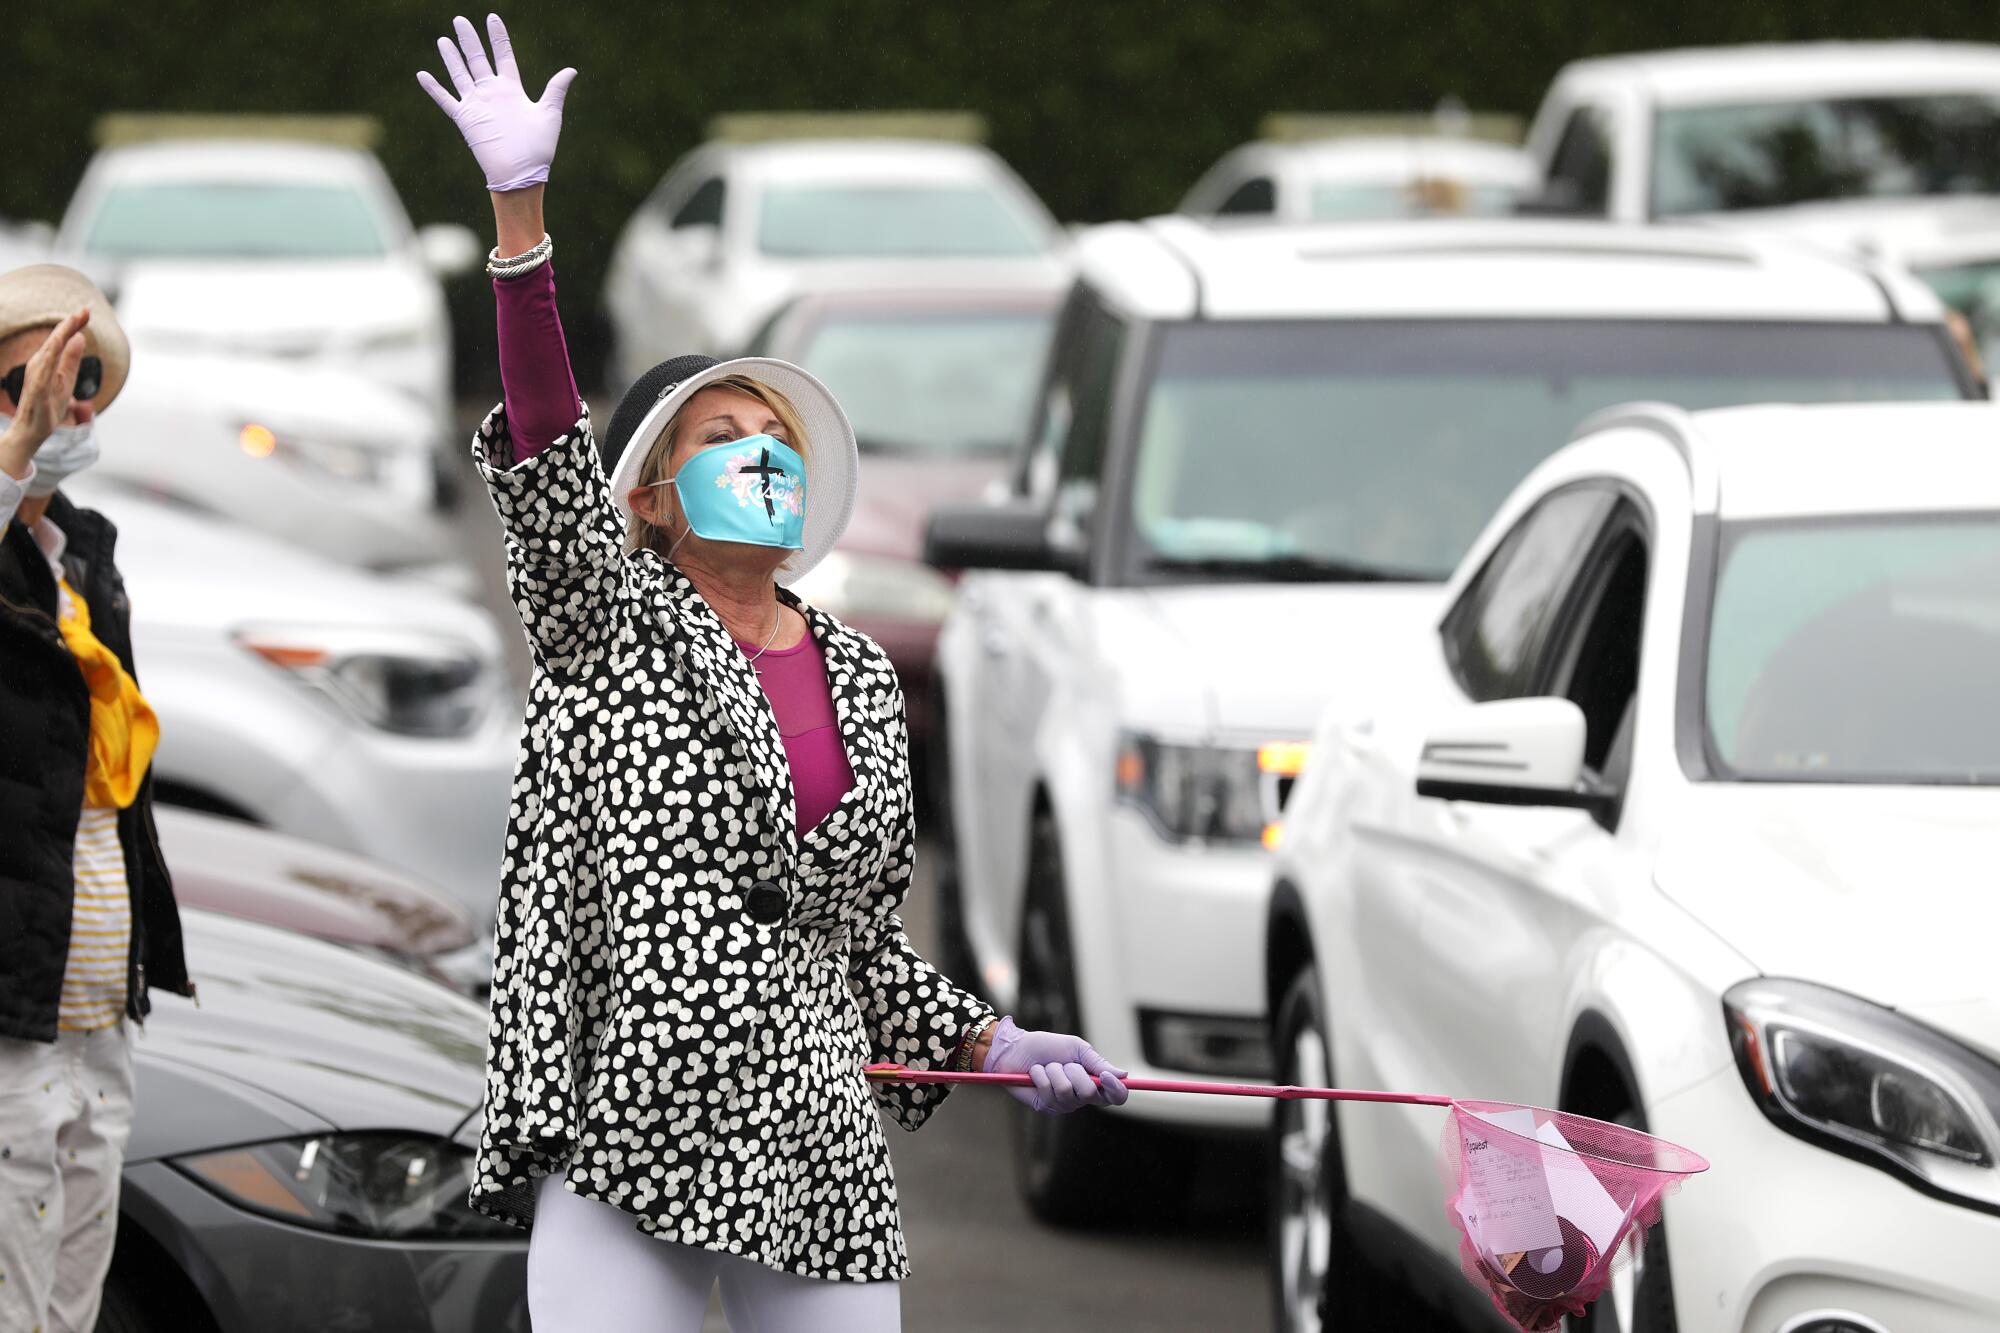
(245, 871)
(938, 384)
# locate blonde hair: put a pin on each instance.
(658, 464)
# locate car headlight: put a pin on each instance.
(851, 586)
(347, 460)
(411, 683)
(385, 1185)
(1209, 792)
(1872, 1084)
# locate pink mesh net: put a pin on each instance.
(1548, 1205)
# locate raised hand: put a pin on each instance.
(513, 138)
(46, 389)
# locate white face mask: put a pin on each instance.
(67, 451)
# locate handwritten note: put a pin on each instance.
(1506, 1203)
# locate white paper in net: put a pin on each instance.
(1507, 1206)
(1579, 1195)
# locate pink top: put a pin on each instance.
(542, 403)
(794, 680)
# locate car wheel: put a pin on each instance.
(954, 945)
(1085, 1168)
(1640, 1298)
(121, 1310)
(1319, 1281)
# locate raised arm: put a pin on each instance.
(514, 140)
(564, 533)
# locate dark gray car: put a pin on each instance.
(302, 1151)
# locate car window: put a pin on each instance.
(1580, 173)
(1257, 195)
(1594, 661)
(1347, 449)
(932, 381)
(703, 208)
(1771, 154)
(1857, 649)
(813, 221)
(1493, 637)
(236, 220)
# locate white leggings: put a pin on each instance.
(591, 1270)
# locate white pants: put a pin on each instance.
(591, 1270)
(65, 1116)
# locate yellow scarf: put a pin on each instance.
(124, 731)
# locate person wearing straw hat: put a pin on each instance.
(697, 952)
(87, 916)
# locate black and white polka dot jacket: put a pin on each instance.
(661, 1033)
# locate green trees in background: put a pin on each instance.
(1109, 108)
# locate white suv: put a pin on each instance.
(1686, 817)
(1886, 148)
(1257, 455)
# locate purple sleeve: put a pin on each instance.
(535, 376)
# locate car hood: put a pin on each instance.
(1263, 658)
(272, 306)
(293, 1035)
(893, 504)
(195, 572)
(1902, 230)
(1886, 893)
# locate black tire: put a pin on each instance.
(954, 945)
(122, 1311)
(1651, 1277)
(1087, 1168)
(1319, 1280)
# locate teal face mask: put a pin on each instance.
(750, 490)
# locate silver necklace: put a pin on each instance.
(777, 615)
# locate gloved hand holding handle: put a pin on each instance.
(513, 138)
(1066, 1072)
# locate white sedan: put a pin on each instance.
(1362, 178)
(364, 712)
(1685, 817)
(289, 250)
(734, 229)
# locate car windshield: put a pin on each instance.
(1335, 201)
(1768, 154)
(236, 220)
(1378, 449)
(944, 382)
(1857, 650)
(861, 221)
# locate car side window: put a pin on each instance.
(703, 207)
(1256, 195)
(1580, 173)
(1593, 660)
(1494, 634)
(1066, 445)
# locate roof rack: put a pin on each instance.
(1450, 120)
(119, 128)
(765, 126)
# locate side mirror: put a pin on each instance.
(449, 250)
(1013, 534)
(1509, 752)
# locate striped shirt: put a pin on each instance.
(100, 932)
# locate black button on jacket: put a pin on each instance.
(686, 989)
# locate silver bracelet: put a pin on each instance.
(513, 266)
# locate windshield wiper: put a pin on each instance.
(1289, 569)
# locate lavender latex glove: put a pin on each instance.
(1061, 1066)
(513, 138)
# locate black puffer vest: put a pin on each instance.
(44, 746)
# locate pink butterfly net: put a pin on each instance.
(1549, 1205)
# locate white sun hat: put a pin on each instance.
(833, 461)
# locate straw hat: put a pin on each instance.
(834, 469)
(43, 295)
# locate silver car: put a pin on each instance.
(303, 1149)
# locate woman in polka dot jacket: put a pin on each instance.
(711, 829)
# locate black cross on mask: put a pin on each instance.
(766, 471)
